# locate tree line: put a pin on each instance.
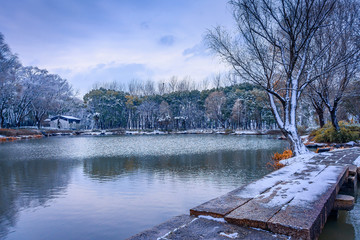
(29, 94)
(240, 106)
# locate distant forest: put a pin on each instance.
(241, 106)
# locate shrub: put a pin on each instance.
(328, 134)
(277, 157)
(302, 130)
(228, 131)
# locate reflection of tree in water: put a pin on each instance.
(29, 184)
(109, 168)
(229, 166)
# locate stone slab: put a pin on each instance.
(164, 228)
(221, 206)
(257, 212)
(337, 157)
(187, 227)
(305, 216)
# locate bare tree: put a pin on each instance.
(161, 88)
(205, 84)
(342, 57)
(135, 87)
(8, 66)
(318, 105)
(352, 100)
(183, 85)
(173, 84)
(53, 94)
(213, 105)
(164, 115)
(273, 51)
(237, 112)
(231, 79)
(149, 88)
(29, 81)
(216, 81)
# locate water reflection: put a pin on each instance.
(345, 227)
(29, 184)
(231, 166)
(114, 187)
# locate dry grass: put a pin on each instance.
(277, 157)
(18, 132)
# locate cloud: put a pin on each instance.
(167, 40)
(105, 72)
(197, 50)
(101, 41)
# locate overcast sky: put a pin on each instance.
(89, 41)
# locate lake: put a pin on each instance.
(112, 187)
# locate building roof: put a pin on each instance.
(66, 118)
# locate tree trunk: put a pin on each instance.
(334, 120)
(2, 119)
(288, 125)
(296, 145)
(320, 113)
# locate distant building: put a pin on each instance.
(64, 122)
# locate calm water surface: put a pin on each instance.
(113, 187)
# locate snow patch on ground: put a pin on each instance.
(231, 235)
(285, 192)
(357, 162)
(286, 173)
(213, 219)
(317, 186)
(168, 233)
(304, 158)
(247, 132)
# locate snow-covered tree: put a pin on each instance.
(273, 50)
(237, 112)
(213, 105)
(339, 64)
(8, 66)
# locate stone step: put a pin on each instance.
(352, 170)
(344, 202)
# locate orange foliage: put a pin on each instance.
(281, 156)
(12, 138)
(277, 157)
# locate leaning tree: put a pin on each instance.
(272, 48)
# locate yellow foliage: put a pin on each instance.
(277, 157)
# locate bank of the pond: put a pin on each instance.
(31, 133)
